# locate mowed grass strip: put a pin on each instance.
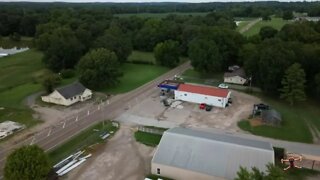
(276, 23)
(147, 138)
(294, 126)
(86, 138)
(134, 76)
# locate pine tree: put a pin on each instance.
(293, 84)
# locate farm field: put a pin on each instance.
(193, 76)
(295, 119)
(161, 15)
(276, 23)
(135, 75)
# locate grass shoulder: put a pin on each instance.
(148, 139)
(83, 140)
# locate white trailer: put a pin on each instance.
(203, 94)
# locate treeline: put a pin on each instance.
(268, 56)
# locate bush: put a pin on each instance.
(15, 37)
(278, 153)
(67, 73)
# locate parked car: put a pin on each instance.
(202, 106)
(223, 86)
(208, 108)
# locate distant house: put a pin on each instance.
(192, 154)
(271, 117)
(237, 76)
(68, 95)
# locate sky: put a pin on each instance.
(120, 1)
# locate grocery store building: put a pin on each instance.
(203, 94)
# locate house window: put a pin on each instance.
(219, 100)
(185, 94)
(158, 170)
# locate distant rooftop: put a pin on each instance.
(71, 90)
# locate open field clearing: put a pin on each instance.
(276, 23)
(135, 75)
(142, 57)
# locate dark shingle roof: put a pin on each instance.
(71, 90)
(239, 72)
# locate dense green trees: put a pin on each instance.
(293, 84)
(63, 49)
(27, 162)
(99, 68)
(167, 53)
(114, 39)
(205, 56)
(267, 32)
(287, 15)
(50, 81)
(273, 173)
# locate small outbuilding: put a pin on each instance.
(192, 154)
(237, 76)
(68, 95)
(271, 117)
(203, 94)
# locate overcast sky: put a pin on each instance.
(194, 1)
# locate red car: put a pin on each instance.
(202, 106)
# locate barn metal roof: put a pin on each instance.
(219, 155)
(211, 91)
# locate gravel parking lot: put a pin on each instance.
(189, 114)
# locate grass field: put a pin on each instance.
(138, 56)
(193, 76)
(161, 15)
(135, 75)
(6, 43)
(86, 138)
(294, 121)
(147, 138)
(276, 23)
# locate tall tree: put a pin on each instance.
(293, 84)
(99, 68)
(27, 162)
(167, 53)
(63, 49)
(116, 41)
(287, 15)
(50, 82)
(205, 56)
(267, 32)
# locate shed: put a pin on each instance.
(68, 95)
(237, 76)
(192, 154)
(271, 117)
(203, 94)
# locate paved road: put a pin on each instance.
(56, 135)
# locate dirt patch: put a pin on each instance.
(121, 158)
(255, 122)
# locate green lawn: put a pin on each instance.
(147, 138)
(161, 15)
(19, 74)
(193, 76)
(6, 43)
(135, 75)
(81, 141)
(276, 23)
(294, 126)
(139, 56)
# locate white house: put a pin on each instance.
(237, 76)
(68, 95)
(203, 94)
(191, 154)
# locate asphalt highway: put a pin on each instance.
(66, 129)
